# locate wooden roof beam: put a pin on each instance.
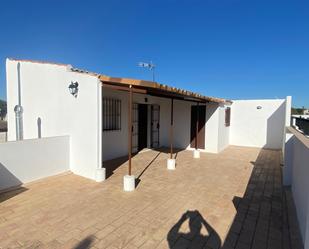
(123, 88)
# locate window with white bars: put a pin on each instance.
(111, 114)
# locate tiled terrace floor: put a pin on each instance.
(191, 207)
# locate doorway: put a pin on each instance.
(198, 117)
(142, 126)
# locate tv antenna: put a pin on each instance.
(150, 66)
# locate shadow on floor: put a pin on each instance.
(138, 179)
(112, 165)
(85, 243)
(200, 235)
(265, 215)
(11, 193)
(160, 151)
(166, 150)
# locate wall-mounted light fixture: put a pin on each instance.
(259, 107)
(73, 88)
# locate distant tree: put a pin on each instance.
(297, 111)
(3, 108)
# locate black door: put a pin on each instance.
(198, 116)
(142, 126)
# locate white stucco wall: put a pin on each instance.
(29, 160)
(296, 174)
(212, 128)
(115, 143)
(288, 110)
(217, 135)
(45, 95)
(300, 174)
(224, 131)
(288, 159)
(182, 124)
(255, 127)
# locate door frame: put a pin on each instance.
(155, 126)
(198, 112)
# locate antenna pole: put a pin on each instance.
(150, 66)
(153, 74)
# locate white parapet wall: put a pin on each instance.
(32, 159)
(296, 175)
(258, 123)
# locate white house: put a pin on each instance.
(94, 111)
(61, 118)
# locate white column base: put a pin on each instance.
(196, 154)
(100, 175)
(171, 164)
(128, 183)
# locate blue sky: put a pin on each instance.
(226, 48)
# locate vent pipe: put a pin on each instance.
(18, 109)
(19, 122)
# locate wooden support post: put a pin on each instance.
(197, 123)
(171, 128)
(130, 129)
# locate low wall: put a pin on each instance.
(296, 175)
(33, 159)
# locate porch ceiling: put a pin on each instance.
(157, 89)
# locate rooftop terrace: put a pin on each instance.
(234, 199)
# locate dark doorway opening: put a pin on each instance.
(198, 117)
(142, 126)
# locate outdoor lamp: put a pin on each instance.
(73, 88)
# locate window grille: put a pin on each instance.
(111, 114)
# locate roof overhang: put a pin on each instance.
(156, 89)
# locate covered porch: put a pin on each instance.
(139, 115)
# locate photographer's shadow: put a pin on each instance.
(200, 233)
